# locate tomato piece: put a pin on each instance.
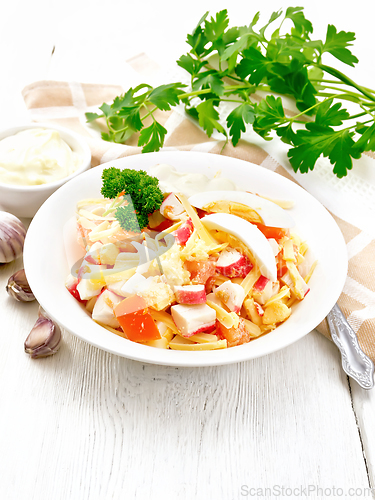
(210, 284)
(201, 213)
(234, 336)
(273, 232)
(165, 224)
(200, 270)
(72, 289)
(135, 320)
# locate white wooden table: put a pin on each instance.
(85, 424)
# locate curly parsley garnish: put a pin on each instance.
(143, 190)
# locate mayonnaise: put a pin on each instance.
(172, 181)
(36, 156)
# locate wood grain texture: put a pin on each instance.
(88, 425)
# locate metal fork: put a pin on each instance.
(355, 362)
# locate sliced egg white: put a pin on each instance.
(270, 213)
(250, 236)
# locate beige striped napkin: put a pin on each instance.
(351, 201)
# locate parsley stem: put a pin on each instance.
(150, 112)
(112, 206)
(358, 115)
(228, 88)
(233, 100)
(345, 92)
(194, 93)
(337, 82)
(293, 118)
(345, 79)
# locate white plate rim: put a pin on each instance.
(35, 260)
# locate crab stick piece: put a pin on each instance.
(193, 319)
(190, 294)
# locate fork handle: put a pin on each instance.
(354, 361)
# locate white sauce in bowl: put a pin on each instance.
(36, 156)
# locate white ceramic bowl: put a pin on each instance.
(46, 264)
(24, 201)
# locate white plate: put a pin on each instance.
(46, 263)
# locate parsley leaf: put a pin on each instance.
(209, 80)
(152, 137)
(254, 63)
(228, 65)
(208, 117)
(191, 65)
(331, 114)
(236, 120)
(166, 96)
(319, 140)
(268, 112)
(302, 26)
(342, 153)
(215, 28)
(92, 116)
(337, 43)
(367, 140)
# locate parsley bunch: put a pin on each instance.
(230, 64)
(143, 191)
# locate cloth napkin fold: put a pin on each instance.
(351, 201)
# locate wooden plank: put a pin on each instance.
(364, 409)
(87, 424)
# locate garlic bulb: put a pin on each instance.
(44, 338)
(19, 288)
(12, 237)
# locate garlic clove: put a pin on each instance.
(44, 338)
(19, 288)
(12, 237)
(42, 313)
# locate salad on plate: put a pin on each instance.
(176, 264)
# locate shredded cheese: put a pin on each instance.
(309, 274)
(288, 251)
(160, 343)
(291, 301)
(165, 318)
(303, 248)
(86, 224)
(202, 231)
(252, 328)
(225, 318)
(109, 328)
(296, 278)
(92, 216)
(250, 280)
(121, 276)
(182, 344)
(234, 208)
(284, 292)
(92, 201)
(202, 338)
(104, 231)
(252, 312)
(168, 334)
